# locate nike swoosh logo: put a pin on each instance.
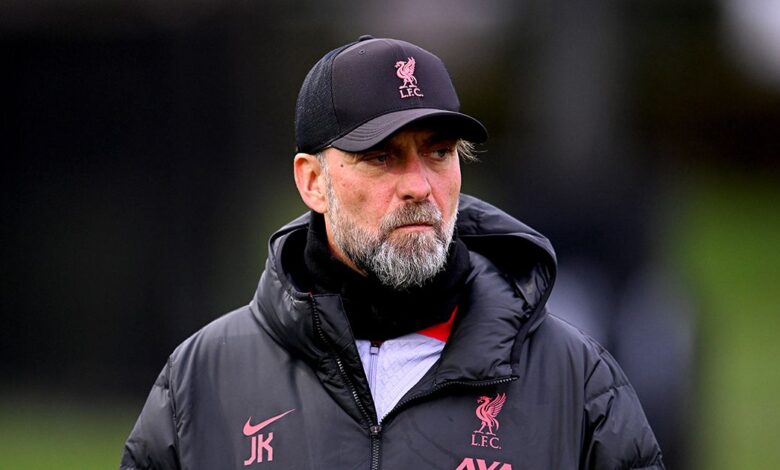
(250, 429)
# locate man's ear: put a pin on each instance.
(308, 172)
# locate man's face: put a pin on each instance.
(391, 210)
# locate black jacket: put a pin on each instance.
(279, 383)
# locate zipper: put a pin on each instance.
(375, 432)
(374, 429)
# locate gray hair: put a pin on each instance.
(467, 151)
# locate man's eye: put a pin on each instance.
(443, 152)
(375, 157)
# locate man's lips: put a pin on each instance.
(414, 227)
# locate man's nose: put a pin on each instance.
(414, 184)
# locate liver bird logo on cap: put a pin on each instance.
(405, 71)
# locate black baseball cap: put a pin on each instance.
(361, 93)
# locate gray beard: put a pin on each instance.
(398, 260)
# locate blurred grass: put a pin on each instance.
(38, 434)
(730, 250)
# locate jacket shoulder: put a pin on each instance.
(234, 324)
(616, 431)
(219, 352)
(598, 370)
(559, 337)
(200, 363)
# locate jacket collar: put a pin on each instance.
(513, 270)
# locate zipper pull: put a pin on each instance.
(373, 358)
(375, 432)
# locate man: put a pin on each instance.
(399, 324)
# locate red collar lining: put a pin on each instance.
(440, 331)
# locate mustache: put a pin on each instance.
(422, 213)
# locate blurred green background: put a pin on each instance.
(148, 148)
(729, 249)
